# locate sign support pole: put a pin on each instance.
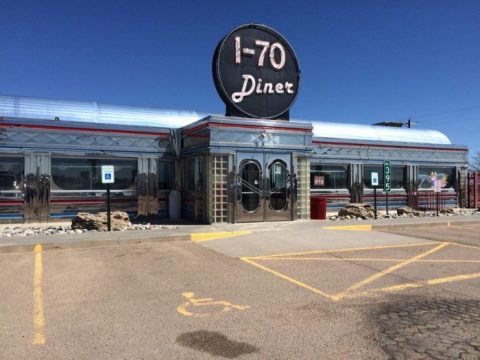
(108, 177)
(375, 199)
(387, 180)
(437, 202)
(109, 226)
(386, 201)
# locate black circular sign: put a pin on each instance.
(256, 72)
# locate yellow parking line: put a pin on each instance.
(341, 250)
(370, 259)
(285, 277)
(199, 237)
(38, 317)
(387, 271)
(349, 227)
(418, 284)
(352, 291)
(474, 226)
(467, 246)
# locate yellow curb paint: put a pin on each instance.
(431, 243)
(285, 277)
(349, 227)
(38, 316)
(199, 237)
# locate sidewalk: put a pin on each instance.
(184, 232)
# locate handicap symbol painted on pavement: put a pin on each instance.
(205, 306)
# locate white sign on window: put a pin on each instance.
(108, 174)
(277, 169)
(374, 178)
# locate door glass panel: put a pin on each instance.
(278, 186)
(250, 186)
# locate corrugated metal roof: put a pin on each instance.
(378, 133)
(48, 109)
(82, 111)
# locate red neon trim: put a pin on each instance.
(387, 146)
(245, 126)
(69, 128)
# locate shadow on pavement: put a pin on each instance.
(215, 344)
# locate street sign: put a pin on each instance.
(108, 174)
(374, 178)
(437, 186)
(387, 176)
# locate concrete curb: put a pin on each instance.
(105, 239)
(85, 244)
(425, 224)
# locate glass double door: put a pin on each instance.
(263, 187)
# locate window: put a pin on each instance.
(190, 175)
(278, 186)
(85, 174)
(328, 176)
(164, 175)
(398, 176)
(11, 173)
(426, 176)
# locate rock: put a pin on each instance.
(354, 210)
(452, 211)
(120, 221)
(408, 211)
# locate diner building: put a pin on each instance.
(209, 168)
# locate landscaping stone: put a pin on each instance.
(364, 211)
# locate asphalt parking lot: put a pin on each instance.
(284, 292)
(467, 234)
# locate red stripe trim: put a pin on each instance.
(382, 196)
(11, 203)
(93, 201)
(245, 126)
(80, 129)
(331, 196)
(387, 146)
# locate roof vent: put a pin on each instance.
(390, 123)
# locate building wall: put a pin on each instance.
(201, 162)
(414, 159)
(57, 157)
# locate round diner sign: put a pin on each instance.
(256, 72)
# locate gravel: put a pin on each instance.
(393, 215)
(13, 231)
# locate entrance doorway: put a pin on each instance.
(264, 185)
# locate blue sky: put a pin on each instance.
(361, 61)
